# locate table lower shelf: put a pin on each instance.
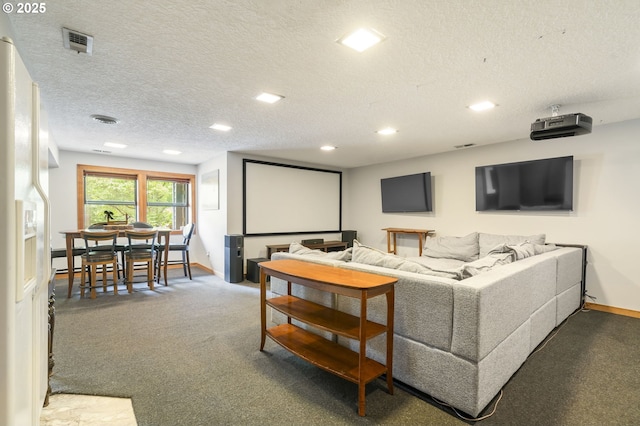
(325, 354)
(324, 318)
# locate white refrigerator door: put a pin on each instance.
(22, 295)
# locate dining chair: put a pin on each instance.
(120, 248)
(57, 253)
(187, 232)
(141, 248)
(100, 251)
(141, 225)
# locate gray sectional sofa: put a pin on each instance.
(468, 312)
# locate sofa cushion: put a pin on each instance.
(521, 250)
(462, 248)
(486, 263)
(440, 263)
(371, 256)
(488, 242)
(297, 248)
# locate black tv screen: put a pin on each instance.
(545, 184)
(403, 194)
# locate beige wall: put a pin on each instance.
(62, 192)
(606, 203)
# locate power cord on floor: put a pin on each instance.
(495, 406)
(593, 298)
(472, 419)
(548, 338)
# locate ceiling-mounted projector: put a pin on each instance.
(560, 126)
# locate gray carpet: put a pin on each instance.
(187, 354)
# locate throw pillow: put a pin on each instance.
(487, 242)
(485, 264)
(297, 248)
(521, 250)
(462, 248)
(371, 256)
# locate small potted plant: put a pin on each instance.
(108, 216)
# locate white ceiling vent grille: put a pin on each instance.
(73, 40)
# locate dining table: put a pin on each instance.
(70, 236)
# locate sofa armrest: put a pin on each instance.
(423, 305)
(490, 306)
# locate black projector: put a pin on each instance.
(560, 126)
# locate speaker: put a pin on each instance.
(312, 241)
(233, 258)
(253, 269)
(348, 237)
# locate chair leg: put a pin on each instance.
(83, 276)
(158, 266)
(92, 281)
(129, 276)
(115, 274)
(73, 270)
(104, 278)
(150, 277)
(188, 263)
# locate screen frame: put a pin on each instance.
(296, 202)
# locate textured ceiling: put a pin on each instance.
(168, 70)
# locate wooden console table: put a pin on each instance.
(324, 353)
(392, 232)
(272, 248)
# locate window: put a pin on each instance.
(115, 194)
(167, 203)
(124, 196)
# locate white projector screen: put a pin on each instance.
(286, 199)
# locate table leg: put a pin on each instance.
(362, 354)
(70, 263)
(263, 308)
(390, 325)
(288, 294)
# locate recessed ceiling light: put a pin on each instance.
(362, 39)
(387, 131)
(171, 152)
(269, 98)
(115, 145)
(221, 127)
(482, 106)
(328, 148)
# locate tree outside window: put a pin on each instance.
(109, 199)
(125, 196)
(167, 203)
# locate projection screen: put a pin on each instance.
(283, 199)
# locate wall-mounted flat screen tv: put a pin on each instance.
(404, 194)
(545, 184)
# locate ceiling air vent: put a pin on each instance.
(74, 40)
(104, 119)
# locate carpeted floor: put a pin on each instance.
(187, 354)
